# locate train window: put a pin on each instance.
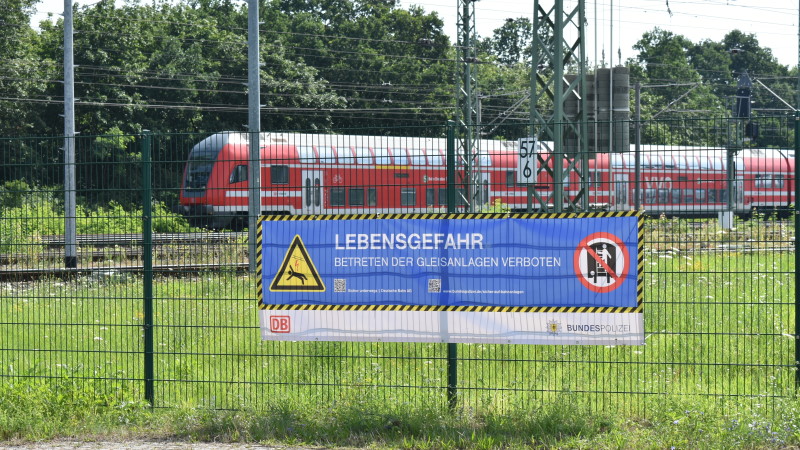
(417, 156)
(700, 195)
(680, 162)
(382, 156)
(337, 196)
(486, 160)
(767, 181)
(657, 162)
(372, 197)
(593, 179)
(307, 155)
(345, 155)
(662, 196)
(693, 162)
(435, 158)
(650, 195)
(718, 195)
(317, 193)
(718, 163)
(704, 164)
(688, 196)
(308, 192)
(408, 197)
(511, 178)
(356, 196)
(676, 196)
(239, 174)
(279, 174)
(400, 157)
(326, 155)
(363, 155)
(443, 196)
(430, 196)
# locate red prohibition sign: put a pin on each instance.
(597, 267)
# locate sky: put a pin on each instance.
(614, 26)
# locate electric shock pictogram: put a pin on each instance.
(297, 273)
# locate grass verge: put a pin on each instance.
(36, 410)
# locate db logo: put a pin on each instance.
(280, 324)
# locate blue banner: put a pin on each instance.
(584, 261)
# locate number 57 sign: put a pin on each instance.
(526, 169)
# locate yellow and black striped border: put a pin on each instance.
(439, 308)
(436, 308)
(431, 216)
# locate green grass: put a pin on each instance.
(35, 410)
(717, 369)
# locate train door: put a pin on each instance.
(621, 200)
(738, 203)
(312, 192)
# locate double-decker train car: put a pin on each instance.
(340, 174)
(694, 181)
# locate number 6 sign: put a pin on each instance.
(526, 169)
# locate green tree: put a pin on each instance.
(168, 66)
(21, 74)
(512, 42)
(393, 66)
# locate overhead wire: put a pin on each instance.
(296, 49)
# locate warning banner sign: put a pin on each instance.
(530, 276)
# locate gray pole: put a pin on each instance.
(254, 127)
(70, 237)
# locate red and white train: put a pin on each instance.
(341, 174)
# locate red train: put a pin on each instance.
(337, 174)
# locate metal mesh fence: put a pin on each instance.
(719, 273)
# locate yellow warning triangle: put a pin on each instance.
(297, 273)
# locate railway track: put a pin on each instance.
(100, 254)
(116, 272)
(106, 256)
(105, 240)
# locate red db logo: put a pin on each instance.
(280, 324)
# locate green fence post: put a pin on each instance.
(796, 251)
(452, 350)
(147, 263)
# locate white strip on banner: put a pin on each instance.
(454, 326)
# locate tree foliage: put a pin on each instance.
(168, 65)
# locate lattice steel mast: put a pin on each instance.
(566, 127)
(468, 137)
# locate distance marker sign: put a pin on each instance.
(552, 279)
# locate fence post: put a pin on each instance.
(147, 263)
(452, 350)
(796, 251)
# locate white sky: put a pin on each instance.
(774, 22)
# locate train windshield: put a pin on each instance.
(201, 161)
